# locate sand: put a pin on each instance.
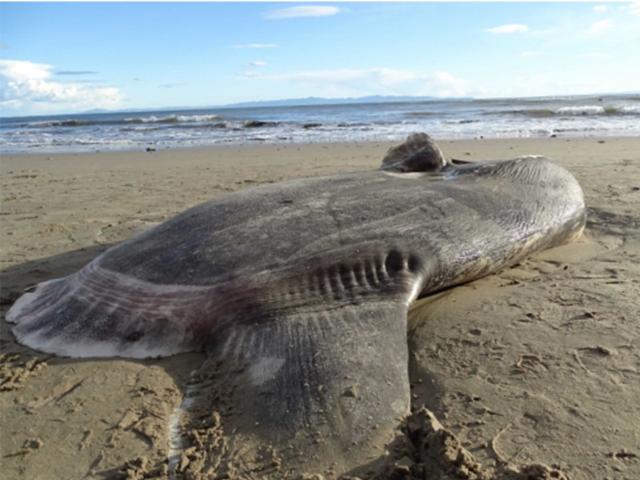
(537, 365)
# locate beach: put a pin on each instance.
(539, 364)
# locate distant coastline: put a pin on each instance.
(329, 101)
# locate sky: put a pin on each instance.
(72, 57)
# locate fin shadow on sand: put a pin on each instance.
(16, 279)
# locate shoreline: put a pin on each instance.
(277, 146)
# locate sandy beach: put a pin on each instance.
(539, 364)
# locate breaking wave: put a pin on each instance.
(87, 122)
(172, 119)
(574, 111)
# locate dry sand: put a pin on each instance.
(539, 364)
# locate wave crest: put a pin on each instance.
(172, 119)
(573, 111)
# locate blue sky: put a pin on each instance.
(60, 58)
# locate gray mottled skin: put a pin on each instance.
(305, 285)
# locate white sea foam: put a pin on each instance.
(630, 109)
(582, 110)
(171, 119)
(197, 118)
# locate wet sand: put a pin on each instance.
(538, 364)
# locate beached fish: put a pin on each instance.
(299, 292)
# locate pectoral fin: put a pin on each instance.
(323, 391)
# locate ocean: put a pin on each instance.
(579, 116)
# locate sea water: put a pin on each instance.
(579, 116)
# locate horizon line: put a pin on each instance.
(241, 104)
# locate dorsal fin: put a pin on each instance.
(417, 154)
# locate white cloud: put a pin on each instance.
(600, 8)
(258, 63)
(634, 8)
(256, 45)
(601, 26)
(371, 81)
(529, 54)
(303, 11)
(509, 28)
(31, 86)
(546, 83)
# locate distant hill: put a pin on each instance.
(291, 102)
(288, 102)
